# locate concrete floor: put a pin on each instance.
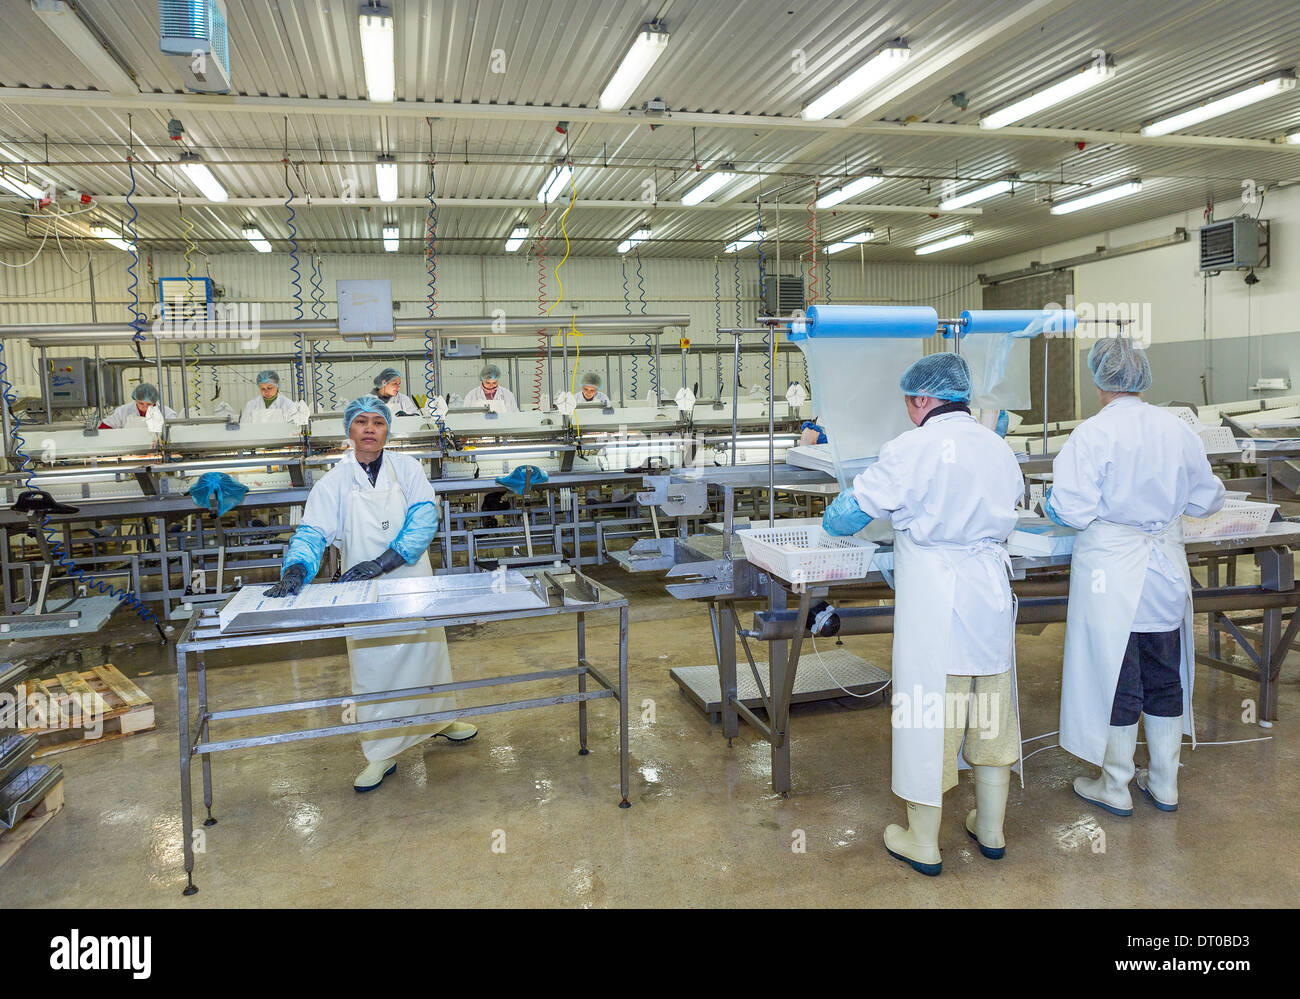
(704, 828)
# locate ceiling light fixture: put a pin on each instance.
(978, 194)
(865, 236)
(386, 178)
(945, 244)
(850, 190)
(636, 239)
(1097, 197)
(882, 64)
(647, 47)
(255, 237)
(111, 236)
(376, 31)
(201, 177)
(1270, 86)
(747, 240)
(517, 236)
(391, 240)
(557, 182)
(1084, 78)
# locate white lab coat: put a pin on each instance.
(257, 411)
(950, 488)
(1124, 479)
(127, 417)
(400, 403)
(477, 397)
(364, 520)
(600, 398)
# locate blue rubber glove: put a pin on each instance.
(1049, 512)
(1003, 422)
(844, 517)
(821, 433)
(373, 568)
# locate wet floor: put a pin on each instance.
(517, 817)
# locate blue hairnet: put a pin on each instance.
(144, 392)
(490, 373)
(267, 376)
(1119, 366)
(591, 378)
(386, 376)
(417, 532)
(229, 492)
(366, 404)
(940, 376)
(306, 548)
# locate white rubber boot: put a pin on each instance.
(374, 774)
(1110, 790)
(984, 823)
(918, 844)
(456, 731)
(1164, 746)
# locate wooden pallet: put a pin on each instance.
(72, 698)
(20, 835)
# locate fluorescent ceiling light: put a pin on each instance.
(850, 190)
(857, 83)
(254, 236)
(747, 240)
(1097, 197)
(945, 244)
(636, 239)
(201, 177)
(710, 185)
(386, 178)
(1294, 138)
(1270, 87)
(21, 187)
(648, 46)
(110, 235)
(975, 195)
(517, 236)
(81, 41)
(1084, 78)
(376, 25)
(848, 241)
(390, 239)
(557, 182)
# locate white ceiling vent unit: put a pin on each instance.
(1235, 244)
(193, 35)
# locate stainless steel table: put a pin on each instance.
(571, 593)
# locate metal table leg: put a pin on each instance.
(781, 686)
(727, 671)
(582, 685)
(624, 783)
(204, 722)
(187, 815)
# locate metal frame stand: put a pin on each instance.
(203, 635)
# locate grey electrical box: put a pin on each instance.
(365, 309)
(460, 346)
(1234, 245)
(72, 383)
(790, 289)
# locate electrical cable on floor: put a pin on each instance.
(835, 680)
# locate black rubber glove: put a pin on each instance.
(290, 583)
(373, 568)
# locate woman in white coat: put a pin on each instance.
(490, 389)
(271, 406)
(951, 487)
(131, 415)
(1124, 479)
(388, 387)
(381, 511)
(591, 393)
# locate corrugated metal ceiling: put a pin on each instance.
(730, 57)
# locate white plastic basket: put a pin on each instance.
(803, 555)
(1237, 518)
(1217, 440)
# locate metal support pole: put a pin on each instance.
(45, 381)
(621, 400)
(658, 371)
(771, 428)
(550, 365)
(185, 391)
(99, 382)
(158, 366)
(1044, 397)
(735, 398)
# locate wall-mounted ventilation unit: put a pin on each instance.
(193, 35)
(1237, 244)
(790, 291)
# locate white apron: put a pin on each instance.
(1107, 571)
(372, 519)
(926, 578)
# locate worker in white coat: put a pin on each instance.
(388, 387)
(1124, 479)
(490, 389)
(131, 415)
(381, 511)
(950, 487)
(271, 406)
(591, 393)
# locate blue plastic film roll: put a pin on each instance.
(895, 321)
(1028, 321)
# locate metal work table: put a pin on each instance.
(203, 635)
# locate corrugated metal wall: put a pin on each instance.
(53, 289)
